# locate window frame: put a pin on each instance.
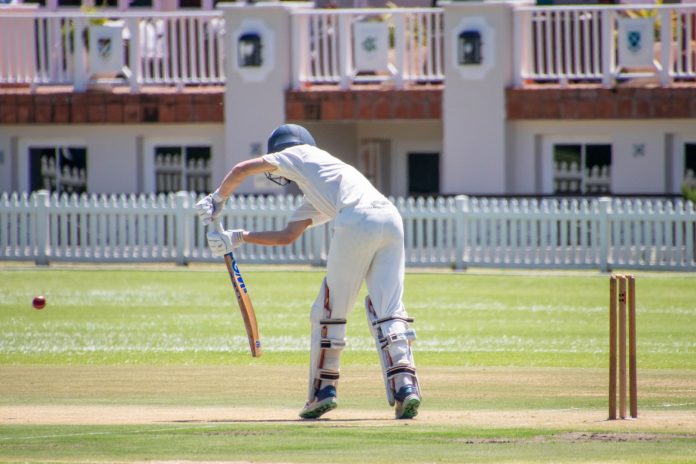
(678, 168)
(24, 170)
(547, 163)
(148, 165)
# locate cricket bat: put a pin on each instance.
(244, 301)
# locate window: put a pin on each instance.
(182, 168)
(690, 165)
(60, 169)
(423, 173)
(581, 169)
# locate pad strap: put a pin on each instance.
(328, 344)
(377, 322)
(332, 343)
(327, 374)
(392, 338)
(396, 370)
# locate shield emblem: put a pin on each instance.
(370, 44)
(104, 47)
(634, 41)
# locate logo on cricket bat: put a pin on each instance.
(238, 276)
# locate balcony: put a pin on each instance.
(564, 46)
(605, 44)
(39, 48)
(136, 49)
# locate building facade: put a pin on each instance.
(475, 98)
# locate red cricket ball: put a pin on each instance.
(39, 302)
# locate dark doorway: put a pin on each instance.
(423, 174)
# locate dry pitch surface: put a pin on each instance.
(105, 395)
(110, 415)
(234, 400)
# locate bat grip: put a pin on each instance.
(218, 225)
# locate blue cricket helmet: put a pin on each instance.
(289, 135)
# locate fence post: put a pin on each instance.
(399, 49)
(608, 55)
(521, 26)
(462, 205)
(181, 221)
(80, 77)
(298, 34)
(666, 57)
(344, 48)
(604, 212)
(41, 208)
(135, 69)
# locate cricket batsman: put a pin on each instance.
(367, 244)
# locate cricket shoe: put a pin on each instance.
(407, 402)
(324, 402)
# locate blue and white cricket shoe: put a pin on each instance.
(324, 402)
(407, 402)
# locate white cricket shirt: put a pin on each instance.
(328, 184)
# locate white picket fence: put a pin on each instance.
(460, 232)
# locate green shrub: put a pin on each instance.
(689, 193)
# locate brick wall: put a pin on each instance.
(63, 107)
(365, 104)
(600, 103)
(20, 106)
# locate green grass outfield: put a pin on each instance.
(141, 363)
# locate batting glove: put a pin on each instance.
(222, 243)
(210, 207)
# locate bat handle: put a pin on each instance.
(218, 225)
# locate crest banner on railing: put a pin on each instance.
(371, 46)
(636, 42)
(106, 48)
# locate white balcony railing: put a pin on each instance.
(159, 48)
(564, 44)
(567, 44)
(39, 47)
(329, 46)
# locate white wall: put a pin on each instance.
(6, 162)
(342, 139)
(404, 137)
(255, 97)
(114, 152)
(474, 100)
(338, 138)
(658, 170)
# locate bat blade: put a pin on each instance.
(245, 305)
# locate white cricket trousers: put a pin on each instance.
(367, 244)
